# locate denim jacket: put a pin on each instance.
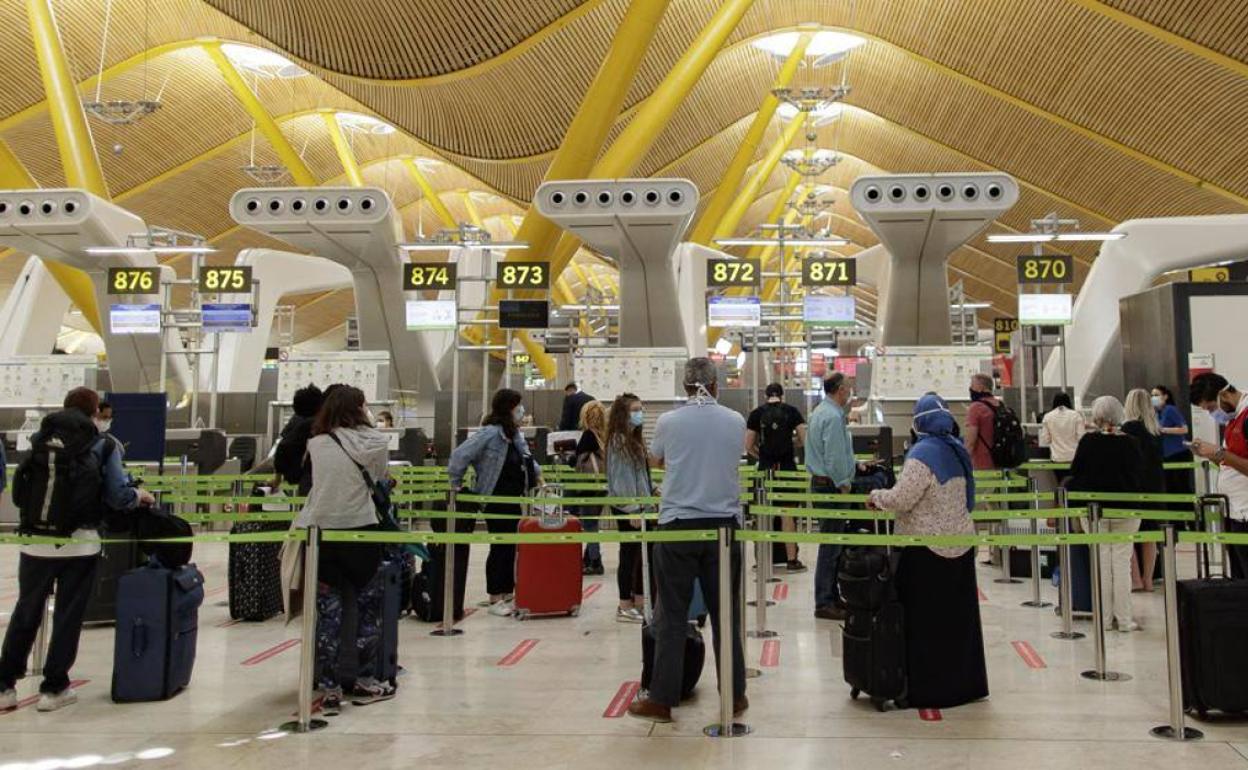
(625, 477)
(486, 451)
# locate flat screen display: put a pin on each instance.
(430, 315)
(819, 310)
(744, 312)
(1045, 309)
(134, 319)
(523, 314)
(226, 317)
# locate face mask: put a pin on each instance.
(703, 395)
(977, 395)
(103, 425)
(1219, 416)
(637, 419)
(1156, 402)
(914, 423)
(517, 414)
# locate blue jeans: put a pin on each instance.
(593, 551)
(826, 594)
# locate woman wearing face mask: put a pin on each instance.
(628, 475)
(1173, 450)
(934, 495)
(504, 468)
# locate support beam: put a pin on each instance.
(299, 170)
(341, 146)
(426, 189)
(740, 163)
(728, 224)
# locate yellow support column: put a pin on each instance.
(268, 127)
(426, 189)
(728, 224)
(354, 176)
(740, 163)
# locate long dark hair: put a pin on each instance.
(501, 407)
(621, 430)
(343, 408)
(1165, 393)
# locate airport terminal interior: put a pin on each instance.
(903, 332)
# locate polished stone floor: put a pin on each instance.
(548, 704)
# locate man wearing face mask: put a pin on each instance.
(1229, 408)
(978, 436)
(830, 462)
(699, 445)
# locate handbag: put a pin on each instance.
(378, 490)
(291, 556)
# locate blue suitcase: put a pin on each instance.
(157, 626)
(387, 661)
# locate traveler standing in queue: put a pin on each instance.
(591, 458)
(772, 433)
(934, 495)
(1060, 431)
(628, 475)
(980, 415)
(505, 468)
(699, 444)
(290, 454)
(71, 478)
(1108, 460)
(1141, 425)
(1230, 407)
(830, 462)
(1174, 430)
(342, 447)
(574, 400)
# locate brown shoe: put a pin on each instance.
(648, 709)
(740, 705)
(831, 613)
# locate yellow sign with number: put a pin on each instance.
(732, 272)
(418, 277)
(1004, 325)
(828, 271)
(1047, 268)
(134, 280)
(522, 275)
(225, 280)
(1211, 275)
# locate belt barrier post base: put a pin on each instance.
(1175, 731)
(304, 723)
(727, 726)
(1101, 672)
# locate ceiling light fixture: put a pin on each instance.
(365, 124)
(464, 237)
(1049, 237)
(262, 61)
(810, 161)
(121, 112)
(826, 45)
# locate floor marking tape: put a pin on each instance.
(930, 715)
(228, 623)
(516, 655)
(271, 652)
(623, 697)
(590, 590)
(983, 597)
(33, 699)
(1028, 654)
(771, 654)
(780, 592)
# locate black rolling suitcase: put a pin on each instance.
(695, 658)
(387, 659)
(116, 559)
(255, 570)
(874, 635)
(1213, 637)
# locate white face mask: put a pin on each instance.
(703, 395)
(517, 414)
(103, 425)
(1156, 402)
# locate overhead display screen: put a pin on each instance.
(430, 315)
(1045, 309)
(523, 314)
(746, 312)
(134, 319)
(226, 317)
(819, 310)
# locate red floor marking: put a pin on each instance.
(469, 612)
(623, 697)
(271, 652)
(516, 655)
(1028, 654)
(780, 592)
(228, 623)
(32, 699)
(590, 590)
(983, 597)
(771, 654)
(930, 715)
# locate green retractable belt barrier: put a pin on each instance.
(1130, 497)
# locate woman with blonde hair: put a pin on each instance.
(591, 458)
(1142, 425)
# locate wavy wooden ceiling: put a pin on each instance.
(1104, 111)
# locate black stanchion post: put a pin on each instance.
(1176, 730)
(304, 723)
(1100, 673)
(1003, 526)
(1063, 560)
(1035, 600)
(727, 727)
(448, 628)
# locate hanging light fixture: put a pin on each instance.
(118, 112)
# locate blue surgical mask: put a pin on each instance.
(1156, 402)
(1220, 417)
(637, 419)
(517, 414)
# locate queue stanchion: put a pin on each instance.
(448, 628)
(304, 723)
(1176, 730)
(770, 562)
(39, 652)
(750, 671)
(1002, 528)
(1035, 600)
(727, 727)
(1066, 599)
(1101, 672)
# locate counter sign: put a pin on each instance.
(225, 280)
(421, 277)
(134, 280)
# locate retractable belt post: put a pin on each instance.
(1063, 561)
(727, 727)
(1002, 527)
(1100, 673)
(448, 628)
(304, 723)
(39, 652)
(1035, 600)
(762, 564)
(1176, 730)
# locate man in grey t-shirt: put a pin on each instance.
(699, 445)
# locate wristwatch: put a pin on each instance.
(1219, 455)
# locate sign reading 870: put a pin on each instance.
(522, 275)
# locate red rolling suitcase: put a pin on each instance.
(548, 577)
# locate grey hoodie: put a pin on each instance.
(339, 498)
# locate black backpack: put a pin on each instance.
(59, 487)
(1009, 443)
(775, 432)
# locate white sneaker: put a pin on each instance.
(628, 615)
(8, 699)
(501, 608)
(53, 701)
(1128, 627)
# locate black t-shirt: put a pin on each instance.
(775, 424)
(511, 479)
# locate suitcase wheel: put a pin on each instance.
(854, 692)
(880, 704)
(575, 611)
(520, 614)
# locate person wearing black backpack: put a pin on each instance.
(770, 431)
(994, 434)
(290, 456)
(72, 476)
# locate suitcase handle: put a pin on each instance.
(138, 639)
